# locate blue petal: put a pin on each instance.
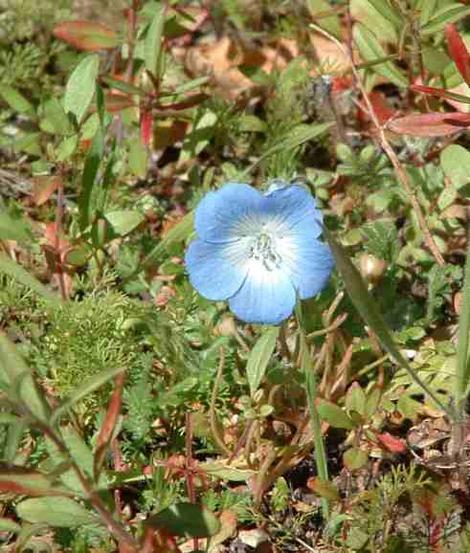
(266, 297)
(295, 209)
(211, 270)
(219, 212)
(309, 263)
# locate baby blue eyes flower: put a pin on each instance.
(259, 251)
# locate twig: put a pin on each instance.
(399, 170)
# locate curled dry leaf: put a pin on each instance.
(221, 61)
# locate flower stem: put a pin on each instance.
(311, 392)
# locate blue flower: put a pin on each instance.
(259, 251)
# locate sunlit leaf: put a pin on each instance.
(260, 356)
(80, 87)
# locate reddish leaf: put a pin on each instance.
(146, 124)
(458, 51)
(86, 35)
(43, 188)
(394, 445)
(430, 124)
(109, 423)
(441, 93)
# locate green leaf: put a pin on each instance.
(90, 385)
(427, 9)
(390, 13)
(12, 228)
(15, 100)
(219, 469)
(324, 488)
(260, 356)
(330, 23)
(447, 14)
(355, 458)
(16, 374)
(54, 119)
(138, 159)
(364, 12)
(186, 519)
(59, 512)
(356, 399)
(8, 525)
(382, 239)
(455, 162)
(123, 86)
(370, 313)
(370, 49)
(153, 41)
(297, 136)
(66, 148)
(92, 163)
(462, 384)
(80, 87)
(176, 234)
(23, 481)
(334, 415)
(124, 221)
(18, 273)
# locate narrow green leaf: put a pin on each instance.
(21, 275)
(260, 356)
(311, 391)
(80, 87)
(371, 49)
(186, 519)
(15, 100)
(89, 386)
(60, 512)
(462, 384)
(123, 86)
(389, 12)
(90, 170)
(371, 315)
(427, 8)
(447, 14)
(153, 41)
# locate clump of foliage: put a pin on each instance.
(137, 415)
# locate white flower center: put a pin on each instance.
(263, 249)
